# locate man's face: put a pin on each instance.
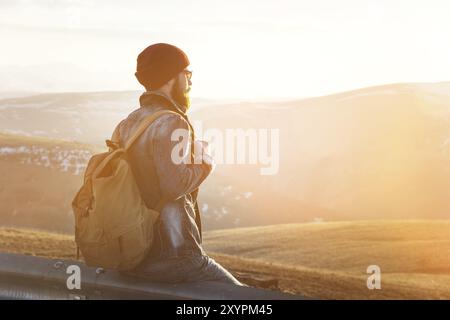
(181, 87)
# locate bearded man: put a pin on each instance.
(177, 254)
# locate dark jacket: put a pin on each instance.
(179, 230)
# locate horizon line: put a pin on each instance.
(29, 94)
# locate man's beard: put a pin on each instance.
(180, 97)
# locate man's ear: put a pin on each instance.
(171, 83)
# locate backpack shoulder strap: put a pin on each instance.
(114, 142)
(144, 125)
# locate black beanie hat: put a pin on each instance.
(159, 63)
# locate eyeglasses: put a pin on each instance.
(188, 74)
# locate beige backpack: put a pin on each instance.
(113, 226)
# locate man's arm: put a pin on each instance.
(177, 176)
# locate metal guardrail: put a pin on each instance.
(29, 277)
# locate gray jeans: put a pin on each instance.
(191, 268)
(177, 255)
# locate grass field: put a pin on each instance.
(322, 260)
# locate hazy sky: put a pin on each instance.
(237, 48)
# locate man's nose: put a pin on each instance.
(189, 82)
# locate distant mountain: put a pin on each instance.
(379, 152)
(88, 117)
(15, 94)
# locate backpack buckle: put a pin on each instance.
(111, 144)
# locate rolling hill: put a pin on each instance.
(322, 260)
(40, 176)
(38, 180)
